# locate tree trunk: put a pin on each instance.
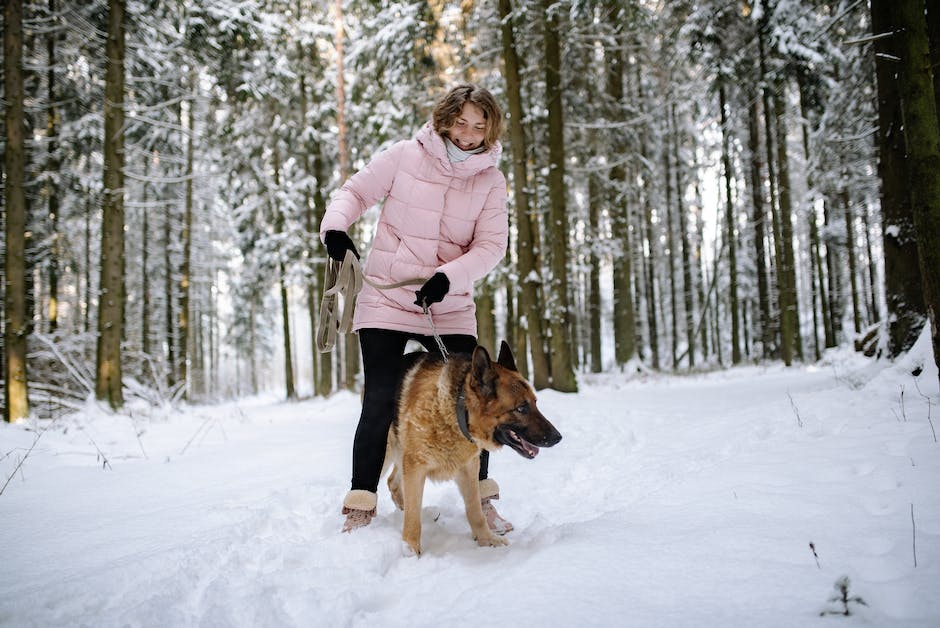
(168, 299)
(903, 287)
(789, 304)
(486, 317)
(850, 248)
(701, 274)
(86, 300)
(290, 391)
(933, 38)
(919, 111)
(306, 148)
(278, 214)
(869, 254)
(14, 158)
(144, 270)
(758, 217)
(594, 283)
(624, 315)
(818, 289)
(528, 236)
(687, 287)
(185, 282)
(821, 285)
(834, 276)
(324, 385)
(730, 225)
(652, 245)
(52, 131)
(351, 341)
(671, 245)
(563, 378)
(776, 254)
(651, 300)
(111, 287)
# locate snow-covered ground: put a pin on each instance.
(672, 501)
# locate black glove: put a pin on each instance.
(337, 243)
(433, 290)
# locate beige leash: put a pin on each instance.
(344, 279)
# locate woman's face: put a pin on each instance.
(469, 128)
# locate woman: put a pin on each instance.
(444, 218)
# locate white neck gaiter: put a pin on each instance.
(457, 154)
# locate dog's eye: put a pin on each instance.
(522, 408)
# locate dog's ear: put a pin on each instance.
(484, 375)
(506, 358)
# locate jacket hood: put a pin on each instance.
(431, 141)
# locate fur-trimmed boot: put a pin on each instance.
(359, 508)
(489, 490)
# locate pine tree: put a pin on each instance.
(15, 314)
(111, 286)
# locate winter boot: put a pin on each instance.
(489, 490)
(359, 508)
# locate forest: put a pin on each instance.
(693, 185)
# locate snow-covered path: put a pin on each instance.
(671, 501)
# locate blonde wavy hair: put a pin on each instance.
(449, 107)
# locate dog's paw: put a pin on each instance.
(408, 549)
(491, 540)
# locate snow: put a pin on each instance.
(671, 501)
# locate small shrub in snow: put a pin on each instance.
(842, 597)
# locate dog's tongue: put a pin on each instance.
(530, 450)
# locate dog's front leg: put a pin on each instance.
(412, 485)
(470, 489)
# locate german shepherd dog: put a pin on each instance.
(448, 411)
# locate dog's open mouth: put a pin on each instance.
(506, 435)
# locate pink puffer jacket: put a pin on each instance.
(438, 216)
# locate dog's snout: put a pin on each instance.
(550, 436)
(553, 438)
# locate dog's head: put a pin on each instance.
(505, 405)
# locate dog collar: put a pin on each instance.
(462, 416)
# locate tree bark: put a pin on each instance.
(325, 371)
(687, 287)
(933, 38)
(758, 218)
(789, 304)
(52, 131)
(185, 282)
(14, 158)
(289, 386)
(528, 237)
(486, 317)
(671, 245)
(776, 260)
(594, 283)
(834, 278)
(903, 287)
(351, 341)
(624, 315)
(730, 226)
(652, 245)
(563, 378)
(168, 299)
(144, 270)
(846, 201)
(111, 287)
(919, 111)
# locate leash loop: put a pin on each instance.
(344, 280)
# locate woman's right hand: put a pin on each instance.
(337, 243)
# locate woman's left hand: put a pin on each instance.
(433, 290)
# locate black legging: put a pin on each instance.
(382, 350)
